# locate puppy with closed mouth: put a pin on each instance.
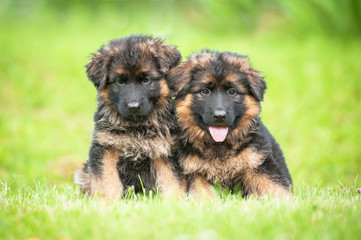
(221, 137)
(132, 140)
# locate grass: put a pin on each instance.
(312, 107)
(58, 212)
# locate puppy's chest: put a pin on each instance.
(224, 169)
(135, 147)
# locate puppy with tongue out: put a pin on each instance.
(220, 136)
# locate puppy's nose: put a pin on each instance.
(219, 115)
(133, 106)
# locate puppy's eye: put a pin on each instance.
(231, 92)
(120, 81)
(205, 91)
(147, 80)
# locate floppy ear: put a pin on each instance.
(168, 57)
(98, 69)
(179, 77)
(257, 84)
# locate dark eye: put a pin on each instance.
(231, 92)
(147, 80)
(205, 91)
(120, 81)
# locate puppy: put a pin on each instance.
(131, 142)
(221, 137)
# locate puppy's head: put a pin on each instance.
(218, 95)
(130, 74)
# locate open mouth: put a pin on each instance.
(218, 133)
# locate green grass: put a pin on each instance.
(58, 212)
(312, 107)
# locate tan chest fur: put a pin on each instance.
(136, 147)
(223, 169)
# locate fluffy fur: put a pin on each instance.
(131, 141)
(221, 90)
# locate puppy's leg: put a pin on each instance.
(167, 181)
(261, 185)
(108, 185)
(104, 182)
(200, 188)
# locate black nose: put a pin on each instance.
(133, 106)
(219, 115)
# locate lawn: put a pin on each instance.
(312, 107)
(57, 212)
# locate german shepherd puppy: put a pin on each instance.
(131, 141)
(221, 137)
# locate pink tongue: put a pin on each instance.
(218, 133)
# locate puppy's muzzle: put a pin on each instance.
(134, 107)
(219, 116)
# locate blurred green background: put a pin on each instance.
(308, 50)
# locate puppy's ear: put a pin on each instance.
(98, 68)
(257, 85)
(168, 57)
(179, 77)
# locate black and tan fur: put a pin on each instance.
(249, 156)
(131, 141)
